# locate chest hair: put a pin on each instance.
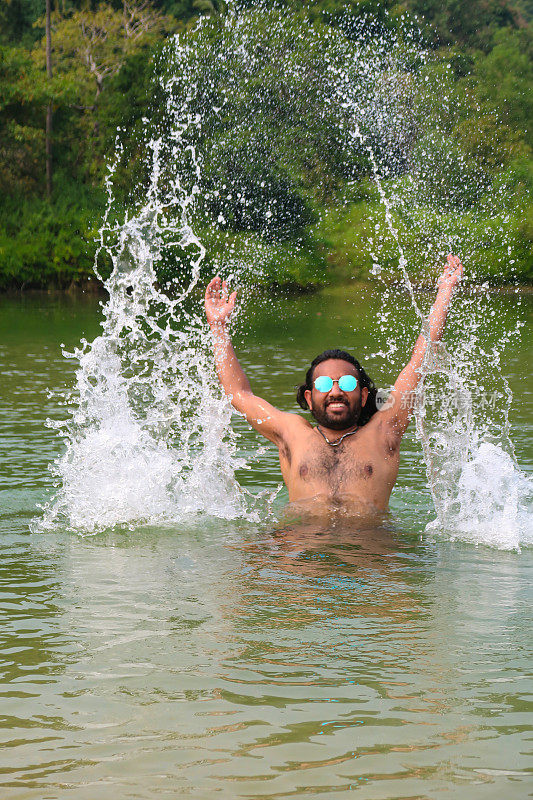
(335, 466)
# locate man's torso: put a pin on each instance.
(359, 471)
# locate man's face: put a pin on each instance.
(336, 410)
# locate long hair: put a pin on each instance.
(369, 408)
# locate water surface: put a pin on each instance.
(236, 659)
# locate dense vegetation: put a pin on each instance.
(103, 59)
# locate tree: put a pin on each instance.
(49, 106)
(503, 79)
(91, 46)
(90, 49)
(23, 95)
(472, 24)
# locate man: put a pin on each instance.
(352, 456)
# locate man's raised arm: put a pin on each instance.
(264, 417)
(399, 410)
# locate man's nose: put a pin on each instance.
(335, 391)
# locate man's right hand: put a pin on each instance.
(218, 305)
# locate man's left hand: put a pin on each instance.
(453, 272)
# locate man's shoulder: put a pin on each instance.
(296, 419)
(295, 423)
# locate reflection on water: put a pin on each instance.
(266, 663)
(301, 657)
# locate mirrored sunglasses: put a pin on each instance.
(347, 383)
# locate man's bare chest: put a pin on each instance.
(338, 468)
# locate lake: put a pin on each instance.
(235, 659)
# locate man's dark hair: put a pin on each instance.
(369, 408)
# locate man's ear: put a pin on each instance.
(307, 395)
(364, 395)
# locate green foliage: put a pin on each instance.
(503, 80)
(187, 9)
(23, 96)
(44, 244)
(279, 264)
(17, 18)
(266, 177)
(262, 197)
(491, 256)
(448, 179)
(470, 24)
(289, 166)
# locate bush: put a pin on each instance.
(496, 246)
(44, 244)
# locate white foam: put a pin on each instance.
(491, 502)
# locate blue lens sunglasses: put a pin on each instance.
(347, 383)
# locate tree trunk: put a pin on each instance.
(49, 108)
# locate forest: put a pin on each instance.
(64, 96)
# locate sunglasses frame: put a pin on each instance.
(337, 381)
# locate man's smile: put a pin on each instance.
(337, 405)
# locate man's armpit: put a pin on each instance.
(390, 432)
(284, 449)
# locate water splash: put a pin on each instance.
(462, 404)
(490, 503)
(149, 436)
(461, 410)
(463, 401)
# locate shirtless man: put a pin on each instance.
(352, 456)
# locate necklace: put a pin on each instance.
(338, 441)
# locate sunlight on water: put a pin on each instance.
(149, 439)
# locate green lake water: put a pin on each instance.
(240, 660)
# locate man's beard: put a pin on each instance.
(335, 423)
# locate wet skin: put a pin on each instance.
(359, 471)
